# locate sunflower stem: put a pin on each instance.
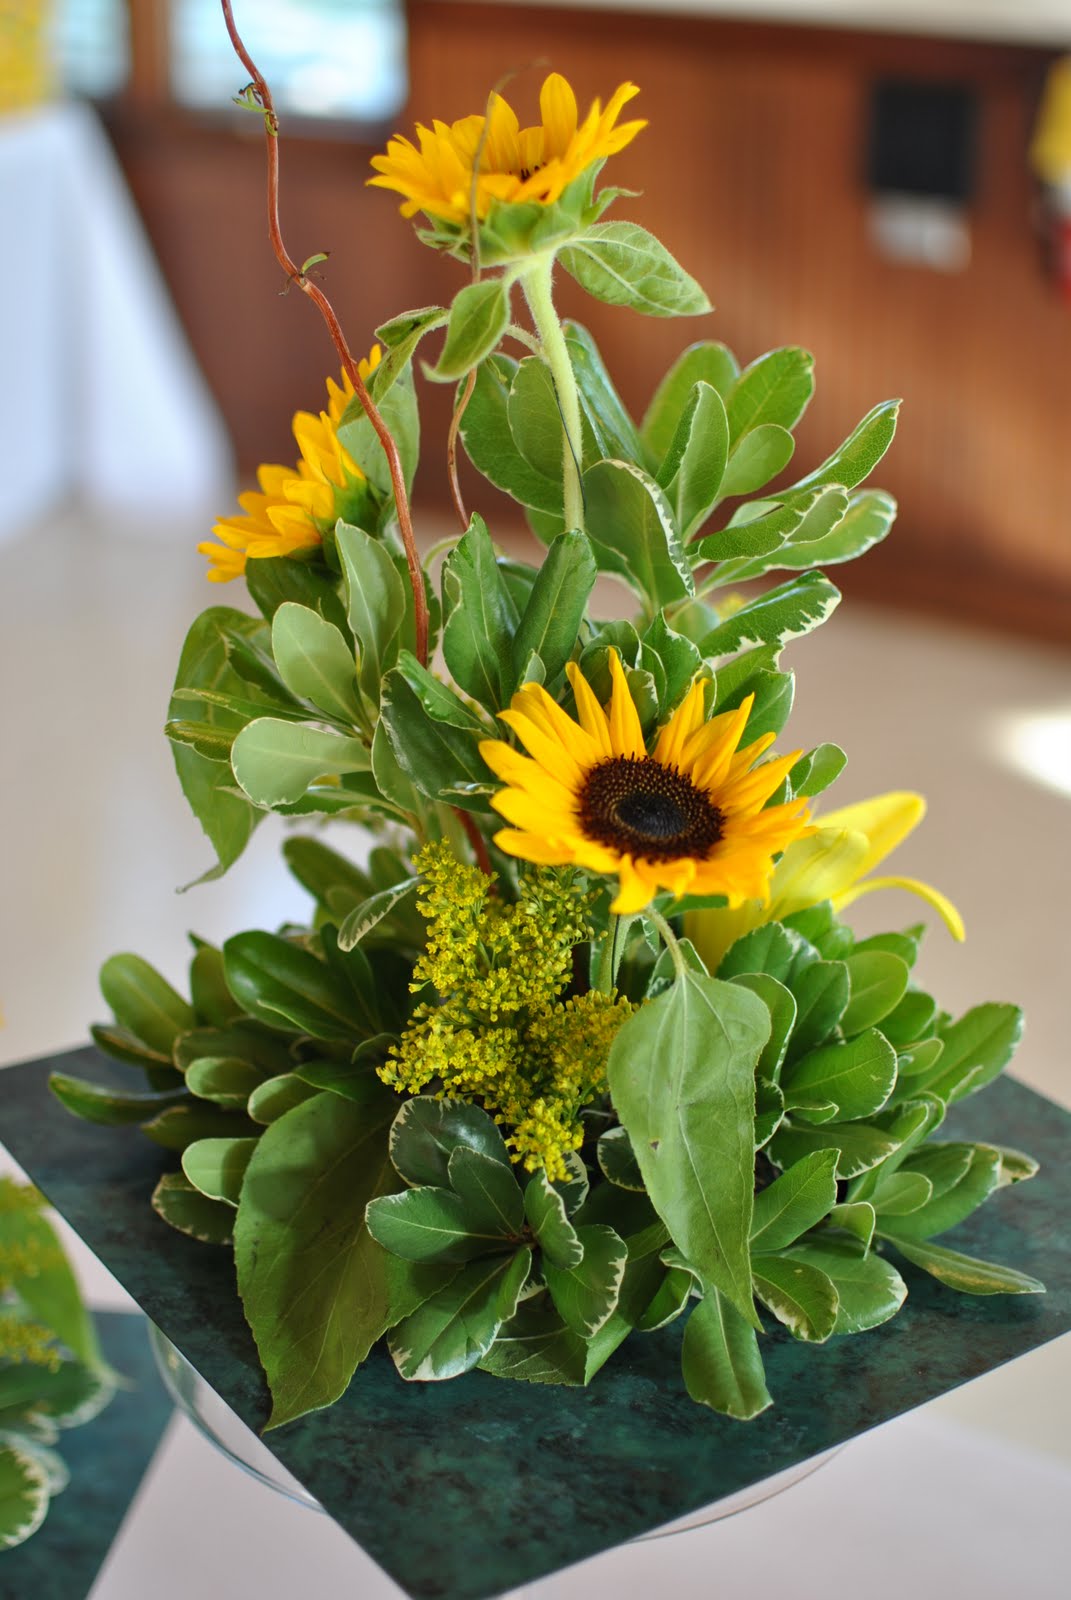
(536, 281)
(670, 940)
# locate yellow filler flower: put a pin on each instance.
(515, 163)
(687, 817)
(833, 864)
(294, 504)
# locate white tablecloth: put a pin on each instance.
(100, 397)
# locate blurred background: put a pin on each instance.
(886, 182)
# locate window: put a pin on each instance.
(92, 45)
(321, 58)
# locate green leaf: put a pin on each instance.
(856, 1217)
(857, 1077)
(623, 264)
(376, 604)
(50, 1291)
(860, 1145)
(769, 1110)
(480, 619)
(632, 531)
(830, 536)
(799, 1294)
(781, 614)
(617, 1160)
(301, 1219)
(401, 336)
(706, 362)
(107, 1106)
(869, 1288)
(551, 620)
(968, 1274)
(860, 453)
(430, 1224)
(694, 464)
(799, 1199)
(756, 458)
(721, 1361)
(24, 1495)
(276, 1096)
(434, 737)
(226, 1080)
(217, 1166)
(479, 317)
(145, 1003)
(490, 1191)
(898, 1193)
(278, 982)
(455, 1327)
(586, 1294)
(614, 434)
(489, 444)
(977, 1048)
(426, 1132)
(363, 918)
(940, 1212)
(276, 761)
(878, 982)
(212, 1000)
(555, 1235)
(821, 993)
(678, 657)
(241, 1039)
(669, 1302)
(179, 1126)
(315, 662)
(774, 388)
(814, 772)
(121, 1045)
(740, 548)
(682, 1080)
(186, 1209)
(534, 418)
(273, 580)
(781, 1005)
(208, 741)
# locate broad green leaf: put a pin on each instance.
(670, 1301)
(756, 458)
(272, 581)
(911, 1019)
(280, 983)
(869, 1288)
(821, 994)
(275, 761)
(217, 1166)
(799, 1199)
(743, 544)
(186, 1209)
(799, 1294)
(867, 519)
(547, 1216)
(776, 617)
(633, 533)
(211, 999)
(678, 657)
(480, 619)
(682, 1080)
(706, 362)
(977, 1048)
(536, 1345)
(440, 757)
(490, 1191)
(95, 1104)
(301, 1218)
(226, 1080)
(814, 772)
(371, 912)
(488, 442)
(145, 1003)
(575, 1187)
(206, 740)
(274, 1097)
(857, 1077)
(401, 336)
(180, 1126)
(429, 1224)
(398, 410)
(24, 1494)
(907, 1124)
(941, 1164)
(769, 1110)
(376, 604)
(315, 662)
(551, 620)
(241, 1039)
(345, 1077)
(623, 264)
(618, 1160)
(856, 1217)
(324, 872)
(586, 1294)
(860, 1145)
(900, 1192)
(968, 1274)
(535, 420)
(478, 319)
(721, 1361)
(426, 1132)
(614, 434)
(694, 464)
(781, 1005)
(774, 388)
(455, 1327)
(941, 1212)
(860, 453)
(878, 982)
(121, 1045)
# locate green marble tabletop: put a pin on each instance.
(465, 1489)
(107, 1459)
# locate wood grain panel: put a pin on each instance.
(752, 173)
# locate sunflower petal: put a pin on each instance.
(626, 734)
(637, 888)
(685, 721)
(592, 716)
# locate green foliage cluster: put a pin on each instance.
(52, 1373)
(754, 1143)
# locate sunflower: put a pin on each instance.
(294, 504)
(515, 163)
(687, 817)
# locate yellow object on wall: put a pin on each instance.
(27, 66)
(1050, 152)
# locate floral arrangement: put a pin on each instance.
(52, 1373)
(582, 1044)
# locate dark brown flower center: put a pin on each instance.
(636, 805)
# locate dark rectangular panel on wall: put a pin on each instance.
(754, 172)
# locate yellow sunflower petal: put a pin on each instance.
(637, 887)
(547, 749)
(592, 716)
(685, 721)
(557, 107)
(521, 771)
(534, 701)
(626, 734)
(532, 847)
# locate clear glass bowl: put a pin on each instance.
(198, 1401)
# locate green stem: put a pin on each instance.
(604, 976)
(670, 940)
(536, 279)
